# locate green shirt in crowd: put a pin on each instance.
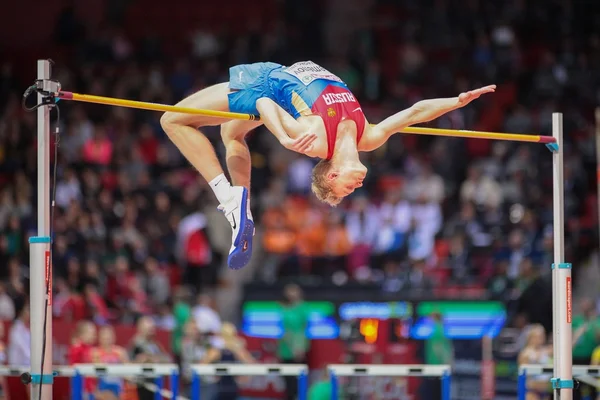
(589, 340)
(295, 321)
(438, 348)
(320, 391)
(182, 313)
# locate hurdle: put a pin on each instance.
(579, 371)
(298, 370)
(397, 370)
(152, 371)
(49, 92)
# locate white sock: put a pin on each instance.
(222, 188)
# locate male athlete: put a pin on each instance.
(310, 111)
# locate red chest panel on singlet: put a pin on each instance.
(336, 104)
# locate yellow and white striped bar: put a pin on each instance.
(86, 98)
(142, 105)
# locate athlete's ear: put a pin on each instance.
(331, 175)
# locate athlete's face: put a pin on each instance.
(347, 180)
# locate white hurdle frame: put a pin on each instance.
(298, 370)
(562, 382)
(526, 370)
(417, 370)
(156, 371)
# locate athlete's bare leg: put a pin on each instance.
(182, 129)
(238, 159)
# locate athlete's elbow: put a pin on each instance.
(167, 122)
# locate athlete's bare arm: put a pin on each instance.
(423, 111)
(292, 135)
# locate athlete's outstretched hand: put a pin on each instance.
(302, 144)
(467, 97)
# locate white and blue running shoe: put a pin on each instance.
(237, 211)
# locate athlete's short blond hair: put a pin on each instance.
(321, 187)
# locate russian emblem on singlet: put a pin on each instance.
(330, 112)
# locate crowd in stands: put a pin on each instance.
(133, 221)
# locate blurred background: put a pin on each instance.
(449, 241)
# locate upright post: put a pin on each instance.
(40, 263)
(562, 382)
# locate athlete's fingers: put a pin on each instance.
(306, 139)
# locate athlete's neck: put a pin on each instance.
(346, 149)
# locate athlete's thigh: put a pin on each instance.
(212, 98)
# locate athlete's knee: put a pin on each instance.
(170, 121)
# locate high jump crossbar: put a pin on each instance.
(142, 105)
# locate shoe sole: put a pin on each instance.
(242, 252)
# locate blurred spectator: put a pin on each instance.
(362, 224)
(194, 350)
(294, 344)
(196, 252)
(7, 306)
(98, 149)
(279, 242)
(107, 352)
(146, 349)
(82, 342)
(182, 313)
(19, 339)
(66, 305)
(206, 318)
(232, 351)
(337, 246)
(96, 307)
(536, 351)
(586, 332)
(459, 260)
(480, 189)
(144, 346)
(155, 282)
(68, 189)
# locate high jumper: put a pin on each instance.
(310, 111)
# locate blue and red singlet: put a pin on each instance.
(303, 88)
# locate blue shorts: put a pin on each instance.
(250, 82)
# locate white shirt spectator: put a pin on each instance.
(400, 214)
(67, 190)
(363, 229)
(19, 342)
(427, 217)
(207, 320)
(7, 307)
(300, 175)
(426, 185)
(483, 192)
